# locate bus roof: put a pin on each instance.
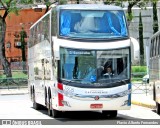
(81, 7)
(89, 6)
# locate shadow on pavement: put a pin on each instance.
(94, 116)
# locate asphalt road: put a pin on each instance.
(20, 107)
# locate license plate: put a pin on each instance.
(93, 106)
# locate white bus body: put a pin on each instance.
(154, 69)
(68, 50)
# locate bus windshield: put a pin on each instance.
(90, 66)
(92, 24)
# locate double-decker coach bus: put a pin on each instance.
(79, 59)
(154, 69)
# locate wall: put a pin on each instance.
(147, 20)
(15, 23)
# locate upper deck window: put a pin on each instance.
(92, 24)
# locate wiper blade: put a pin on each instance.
(125, 81)
(66, 82)
(70, 81)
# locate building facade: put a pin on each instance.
(15, 24)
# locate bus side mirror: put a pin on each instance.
(56, 49)
(56, 54)
(135, 53)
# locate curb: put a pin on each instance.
(13, 94)
(13, 91)
(143, 104)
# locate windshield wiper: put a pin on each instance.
(70, 81)
(124, 81)
(66, 82)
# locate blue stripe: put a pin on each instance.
(129, 95)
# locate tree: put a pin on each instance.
(155, 18)
(8, 6)
(141, 38)
(77, 1)
(12, 6)
(131, 4)
(23, 35)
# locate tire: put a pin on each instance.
(31, 93)
(110, 114)
(158, 108)
(45, 96)
(35, 105)
(52, 112)
(154, 93)
(50, 107)
(56, 113)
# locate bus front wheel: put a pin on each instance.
(50, 107)
(52, 112)
(56, 113)
(158, 108)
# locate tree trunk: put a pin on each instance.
(129, 11)
(4, 61)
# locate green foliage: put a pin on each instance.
(11, 6)
(26, 1)
(1, 74)
(131, 3)
(18, 74)
(23, 35)
(155, 18)
(129, 16)
(48, 3)
(137, 69)
(141, 38)
(61, 2)
(138, 72)
(36, 70)
(13, 10)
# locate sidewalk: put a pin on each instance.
(140, 96)
(15, 91)
(141, 99)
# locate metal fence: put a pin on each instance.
(139, 86)
(19, 79)
(16, 65)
